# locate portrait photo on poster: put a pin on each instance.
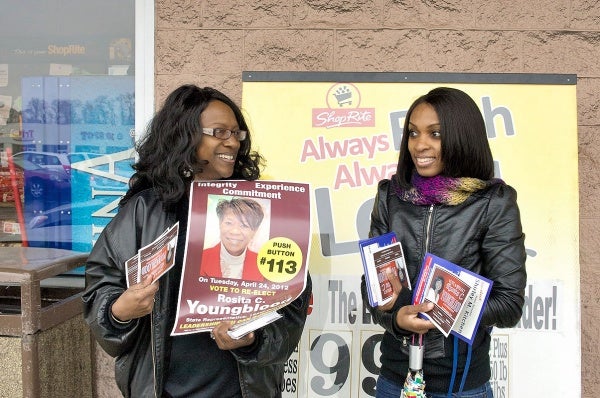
(236, 228)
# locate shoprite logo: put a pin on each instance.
(71, 49)
(343, 109)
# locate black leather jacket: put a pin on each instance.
(484, 235)
(140, 346)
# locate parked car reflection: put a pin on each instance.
(35, 182)
(63, 207)
(69, 226)
(50, 160)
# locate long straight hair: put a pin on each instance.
(465, 148)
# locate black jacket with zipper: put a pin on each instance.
(484, 235)
(141, 346)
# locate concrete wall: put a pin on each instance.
(210, 43)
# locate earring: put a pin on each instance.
(187, 172)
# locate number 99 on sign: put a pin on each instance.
(331, 372)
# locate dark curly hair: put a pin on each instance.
(170, 144)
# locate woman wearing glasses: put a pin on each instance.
(198, 134)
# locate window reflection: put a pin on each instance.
(67, 113)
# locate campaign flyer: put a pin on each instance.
(246, 252)
(448, 294)
(154, 259)
(382, 254)
(459, 296)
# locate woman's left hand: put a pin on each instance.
(225, 341)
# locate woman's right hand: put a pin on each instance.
(407, 318)
(135, 302)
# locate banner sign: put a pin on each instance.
(341, 132)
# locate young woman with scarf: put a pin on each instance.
(444, 200)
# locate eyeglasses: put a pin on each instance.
(224, 134)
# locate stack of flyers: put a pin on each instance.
(459, 296)
(154, 259)
(381, 256)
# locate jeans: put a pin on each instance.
(387, 389)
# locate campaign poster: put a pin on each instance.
(246, 253)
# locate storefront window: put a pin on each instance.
(67, 118)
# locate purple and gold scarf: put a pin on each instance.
(441, 190)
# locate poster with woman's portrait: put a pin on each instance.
(246, 254)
